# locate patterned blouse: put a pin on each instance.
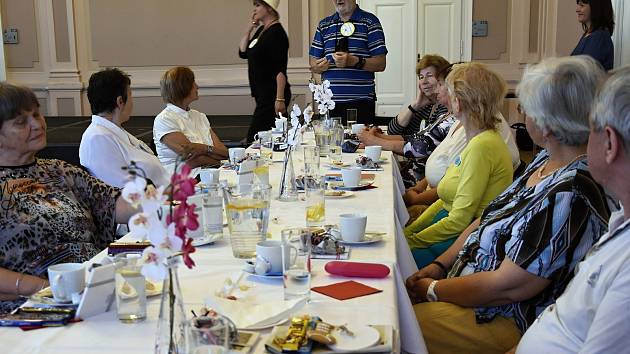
(428, 114)
(420, 145)
(52, 212)
(545, 229)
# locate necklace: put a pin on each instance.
(542, 168)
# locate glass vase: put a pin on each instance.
(173, 331)
(288, 188)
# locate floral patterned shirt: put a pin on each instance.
(545, 229)
(52, 212)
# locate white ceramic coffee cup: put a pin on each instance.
(352, 227)
(374, 152)
(357, 128)
(209, 175)
(65, 280)
(271, 251)
(351, 176)
(236, 154)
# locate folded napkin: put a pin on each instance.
(346, 290)
(248, 314)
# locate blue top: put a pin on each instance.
(598, 45)
(368, 40)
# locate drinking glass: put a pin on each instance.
(322, 137)
(296, 276)
(336, 141)
(315, 201)
(212, 202)
(247, 210)
(351, 117)
(211, 335)
(131, 299)
(311, 160)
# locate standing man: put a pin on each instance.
(348, 48)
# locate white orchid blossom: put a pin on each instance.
(153, 263)
(133, 191)
(308, 114)
(322, 94)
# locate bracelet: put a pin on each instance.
(279, 99)
(17, 284)
(439, 264)
(413, 110)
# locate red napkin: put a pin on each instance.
(346, 290)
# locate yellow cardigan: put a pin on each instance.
(482, 171)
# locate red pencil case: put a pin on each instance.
(357, 269)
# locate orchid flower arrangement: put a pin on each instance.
(167, 233)
(322, 94)
(298, 125)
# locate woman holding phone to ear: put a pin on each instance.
(265, 45)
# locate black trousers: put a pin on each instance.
(366, 110)
(263, 118)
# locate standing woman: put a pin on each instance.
(598, 21)
(267, 56)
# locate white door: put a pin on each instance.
(445, 28)
(395, 87)
(412, 28)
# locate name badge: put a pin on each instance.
(347, 29)
(253, 43)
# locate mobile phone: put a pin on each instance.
(25, 318)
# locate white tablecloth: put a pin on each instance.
(105, 334)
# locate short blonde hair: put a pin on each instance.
(480, 92)
(176, 84)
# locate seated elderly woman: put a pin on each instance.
(181, 131)
(106, 146)
(423, 112)
(592, 316)
(52, 212)
(437, 148)
(479, 173)
(508, 266)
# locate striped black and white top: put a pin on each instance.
(425, 113)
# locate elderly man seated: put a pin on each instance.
(592, 315)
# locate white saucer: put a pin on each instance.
(206, 239)
(364, 337)
(362, 184)
(157, 289)
(270, 276)
(369, 238)
(343, 194)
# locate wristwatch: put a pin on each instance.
(431, 295)
(210, 149)
(360, 64)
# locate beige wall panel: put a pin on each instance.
(569, 29)
(167, 33)
(295, 25)
(65, 107)
(219, 105)
(210, 105)
(495, 46)
(43, 106)
(62, 41)
(20, 14)
(534, 8)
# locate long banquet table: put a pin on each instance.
(386, 213)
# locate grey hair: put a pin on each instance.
(612, 105)
(558, 93)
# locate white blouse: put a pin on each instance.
(193, 124)
(106, 148)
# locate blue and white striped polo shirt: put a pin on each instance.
(368, 40)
